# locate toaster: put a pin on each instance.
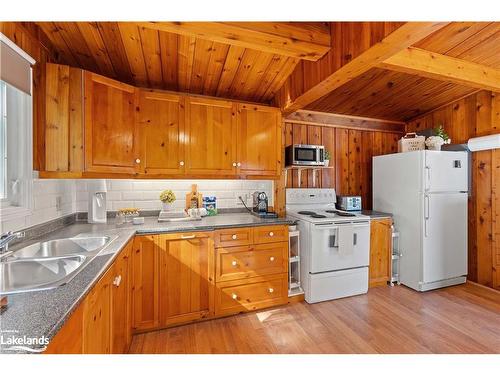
(349, 202)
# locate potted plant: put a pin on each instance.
(438, 139)
(327, 158)
(167, 197)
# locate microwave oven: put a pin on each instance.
(303, 155)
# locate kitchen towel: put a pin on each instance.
(346, 243)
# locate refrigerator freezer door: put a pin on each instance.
(444, 253)
(445, 171)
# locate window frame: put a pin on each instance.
(23, 116)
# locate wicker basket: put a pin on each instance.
(411, 142)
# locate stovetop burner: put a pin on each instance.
(307, 212)
(318, 216)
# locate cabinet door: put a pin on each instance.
(121, 334)
(96, 318)
(145, 283)
(380, 251)
(161, 131)
(259, 140)
(211, 137)
(110, 131)
(186, 277)
(63, 119)
(69, 340)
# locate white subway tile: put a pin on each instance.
(123, 185)
(132, 195)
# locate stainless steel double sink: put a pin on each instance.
(49, 264)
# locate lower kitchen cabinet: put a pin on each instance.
(163, 280)
(97, 317)
(186, 290)
(121, 329)
(380, 251)
(145, 276)
(232, 297)
(242, 262)
(69, 340)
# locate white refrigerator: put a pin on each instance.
(426, 191)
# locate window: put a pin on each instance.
(3, 141)
(16, 142)
(15, 150)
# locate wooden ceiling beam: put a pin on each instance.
(400, 39)
(345, 121)
(445, 68)
(286, 41)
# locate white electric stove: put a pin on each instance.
(335, 245)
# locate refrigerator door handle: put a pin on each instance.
(426, 213)
(427, 177)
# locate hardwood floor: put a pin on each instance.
(460, 319)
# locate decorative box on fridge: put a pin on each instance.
(411, 142)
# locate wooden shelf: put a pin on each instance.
(305, 168)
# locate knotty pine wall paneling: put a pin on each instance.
(351, 150)
(472, 116)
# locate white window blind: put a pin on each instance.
(15, 65)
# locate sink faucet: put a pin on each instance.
(6, 238)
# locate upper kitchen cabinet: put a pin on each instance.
(111, 140)
(60, 139)
(259, 140)
(210, 137)
(98, 127)
(161, 133)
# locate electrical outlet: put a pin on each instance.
(58, 203)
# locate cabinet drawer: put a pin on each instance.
(257, 293)
(271, 233)
(249, 261)
(233, 237)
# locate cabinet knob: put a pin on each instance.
(271, 259)
(271, 290)
(238, 164)
(234, 263)
(181, 163)
(271, 234)
(234, 296)
(117, 281)
(234, 164)
(234, 236)
(137, 161)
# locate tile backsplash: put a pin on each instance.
(53, 199)
(144, 194)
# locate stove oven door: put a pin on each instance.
(338, 246)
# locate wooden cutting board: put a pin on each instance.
(194, 198)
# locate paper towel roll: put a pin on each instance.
(488, 142)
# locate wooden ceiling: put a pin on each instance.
(146, 55)
(307, 64)
(477, 42)
(400, 96)
(389, 95)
